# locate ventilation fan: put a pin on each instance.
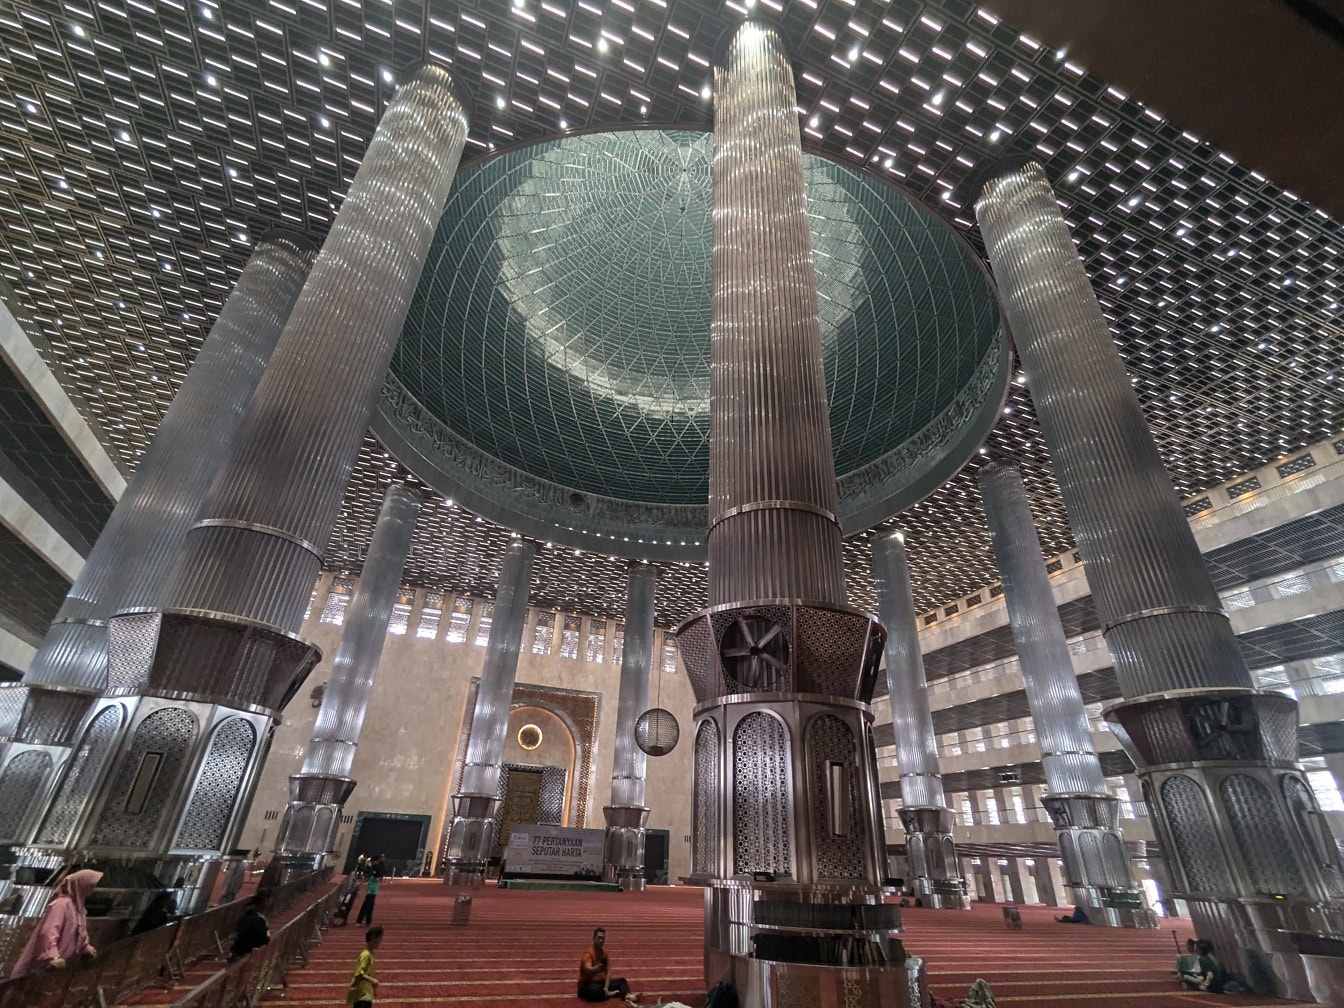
(755, 654)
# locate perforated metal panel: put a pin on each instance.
(1193, 836)
(706, 809)
(830, 740)
(169, 734)
(830, 651)
(218, 786)
(1315, 832)
(21, 788)
(86, 766)
(1268, 852)
(695, 642)
(761, 796)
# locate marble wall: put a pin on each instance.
(412, 732)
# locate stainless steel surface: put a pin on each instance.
(1214, 755)
(1067, 753)
(1135, 541)
(626, 815)
(310, 825)
(293, 455)
(912, 722)
(134, 555)
(471, 832)
(341, 716)
(770, 437)
(786, 776)
(933, 870)
(1097, 868)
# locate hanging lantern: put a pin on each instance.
(657, 731)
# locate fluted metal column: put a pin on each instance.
(195, 683)
(1216, 756)
(1097, 869)
(627, 814)
(471, 834)
(787, 827)
(773, 532)
(934, 868)
(318, 792)
(135, 553)
(257, 548)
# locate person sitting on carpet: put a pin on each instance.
(253, 931)
(1077, 917)
(595, 980)
(1187, 966)
(1209, 974)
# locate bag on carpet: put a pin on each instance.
(721, 995)
(979, 996)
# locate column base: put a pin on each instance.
(464, 874)
(1281, 947)
(941, 894)
(765, 983)
(623, 853)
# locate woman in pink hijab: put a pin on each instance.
(63, 931)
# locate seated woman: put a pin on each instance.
(1209, 974)
(595, 980)
(1187, 966)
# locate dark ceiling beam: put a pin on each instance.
(1260, 79)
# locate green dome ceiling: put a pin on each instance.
(559, 337)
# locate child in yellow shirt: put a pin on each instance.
(365, 983)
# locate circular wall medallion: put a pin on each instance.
(657, 731)
(529, 737)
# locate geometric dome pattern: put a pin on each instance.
(562, 320)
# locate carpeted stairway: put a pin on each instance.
(524, 946)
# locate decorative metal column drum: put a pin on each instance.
(318, 792)
(142, 540)
(623, 857)
(169, 756)
(1241, 828)
(470, 837)
(786, 831)
(934, 870)
(1086, 815)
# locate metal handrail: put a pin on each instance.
(127, 967)
(245, 981)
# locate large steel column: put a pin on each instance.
(1217, 757)
(1097, 869)
(142, 540)
(195, 684)
(318, 792)
(787, 830)
(627, 814)
(934, 871)
(471, 834)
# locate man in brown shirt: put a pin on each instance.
(595, 980)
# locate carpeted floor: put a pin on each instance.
(524, 947)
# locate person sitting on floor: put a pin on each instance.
(1187, 966)
(159, 912)
(1077, 917)
(253, 931)
(1210, 975)
(595, 980)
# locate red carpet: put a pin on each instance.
(525, 946)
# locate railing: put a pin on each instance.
(246, 980)
(160, 956)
